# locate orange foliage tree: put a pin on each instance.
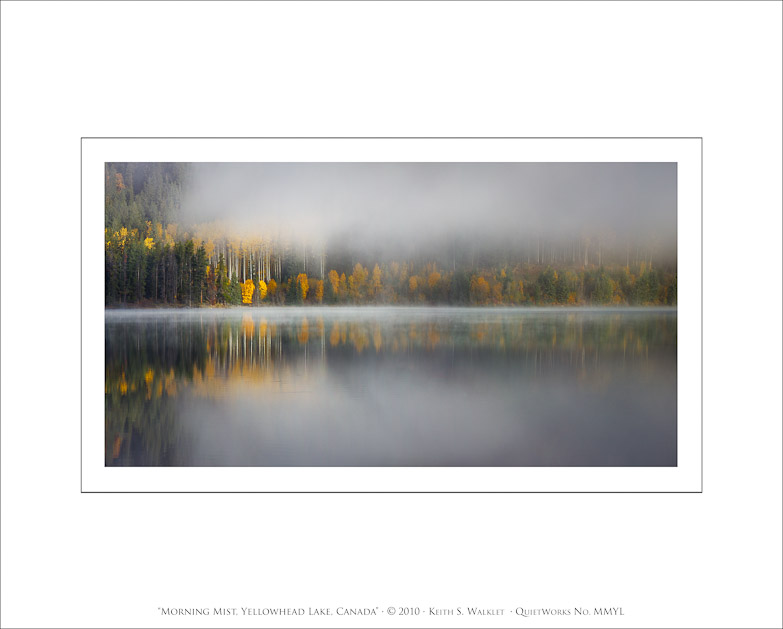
(357, 282)
(375, 282)
(334, 284)
(247, 291)
(479, 290)
(302, 286)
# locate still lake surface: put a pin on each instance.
(369, 386)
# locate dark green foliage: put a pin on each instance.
(545, 286)
(645, 291)
(670, 291)
(140, 192)
(234, 296)
(603, 288)
(561, 289)
(459, 290)
(199, 274)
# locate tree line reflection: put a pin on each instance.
(153, 358)
(152, 362)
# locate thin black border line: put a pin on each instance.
(81, 302)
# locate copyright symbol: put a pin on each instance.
(390, 611)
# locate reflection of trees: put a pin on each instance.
(150, 364)
(157, 359)
(142, 430)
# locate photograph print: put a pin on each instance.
(391, 314)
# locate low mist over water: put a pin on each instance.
(391, 387)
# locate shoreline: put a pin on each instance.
(368, 307)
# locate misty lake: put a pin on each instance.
(408, 386)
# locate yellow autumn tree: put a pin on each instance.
(302, 286)
(149, 243)
(479, 290)
(247, 291)
(357, 282)
(334, 283)
(319, 291)
(262, 290)
(497, 291)
(375, 282)
(343, 291)
(272, 287)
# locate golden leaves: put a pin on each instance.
(302, 285)
(247, 291)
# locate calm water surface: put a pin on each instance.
(392, 387)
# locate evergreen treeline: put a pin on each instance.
(150, 260)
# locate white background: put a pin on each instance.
(397, 69)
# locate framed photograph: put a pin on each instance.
(391, 315)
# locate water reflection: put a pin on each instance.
(391, 386)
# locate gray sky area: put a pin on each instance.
(389, 201)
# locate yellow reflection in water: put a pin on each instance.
(303, 332)
(334, 335)
(231, 355)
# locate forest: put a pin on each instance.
(154, 257)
